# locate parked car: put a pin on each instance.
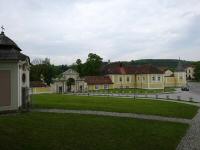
(185, 89)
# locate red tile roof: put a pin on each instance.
(145, 69)
(37, 84)
(148, 69)
(95, 80)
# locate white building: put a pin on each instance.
(14, 76)
(190, 72)
(69, 81)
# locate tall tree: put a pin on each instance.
(37, 61)
(45, 69)
(79, 67)
(197, 71)
(93, 64)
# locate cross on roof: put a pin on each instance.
(2, 28)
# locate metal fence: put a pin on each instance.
(137, 96)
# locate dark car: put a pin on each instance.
(185, 89)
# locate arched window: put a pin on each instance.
(23, 77)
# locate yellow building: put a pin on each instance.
(177, 78)
(119, 76)
(145, 77)
(70, 81)
(98, 82)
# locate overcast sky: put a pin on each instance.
(65, 30)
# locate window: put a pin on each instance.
(158, 78)
(23, 78)
(127, 79)
(181, 78)
(96, 87)
(120, 79)
(153, 78)
(143, 78)
(24, 67)
(106, 86)
(138, 78)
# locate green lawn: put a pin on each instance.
(152, 107)
(137, 91)
(48, 131)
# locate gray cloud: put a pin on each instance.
(65, 30)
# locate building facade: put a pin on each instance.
(70, 81)
(190, 72)
(119, 76)
(14, 75)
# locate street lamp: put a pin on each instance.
(135, 83)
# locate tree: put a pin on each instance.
(79, 67)
(92, 65)
(43, 68)
(37, 61)
(197, 71)
(46, 61)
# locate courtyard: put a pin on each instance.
(39, 131)
(109, 123)
(113, 104)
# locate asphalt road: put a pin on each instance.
(192, 95)
(194, 87)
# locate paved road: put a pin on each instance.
(191, 141)
(194, 87)
(194, 91)
(192, 95)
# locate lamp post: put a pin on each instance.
(164, 83)
(135, 84)
(121, 84)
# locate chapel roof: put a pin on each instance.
(9, 49)
(6, 42)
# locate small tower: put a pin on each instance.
(180, 75)
(14, 75)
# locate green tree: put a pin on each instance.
(79, 67)
(92, 65)
(45, 69)
(197, 71)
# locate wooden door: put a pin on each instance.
(5, 88)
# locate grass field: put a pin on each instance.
(152, 107)
(42, 131)
(137, 91)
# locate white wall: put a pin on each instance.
(13, 68)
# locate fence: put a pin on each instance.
(40, 90)
(167, 96)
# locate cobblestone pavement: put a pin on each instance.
(115, 114)
(191, 141)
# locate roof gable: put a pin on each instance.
(70, 72)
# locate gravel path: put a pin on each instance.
(191, 141)
(115, 114)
